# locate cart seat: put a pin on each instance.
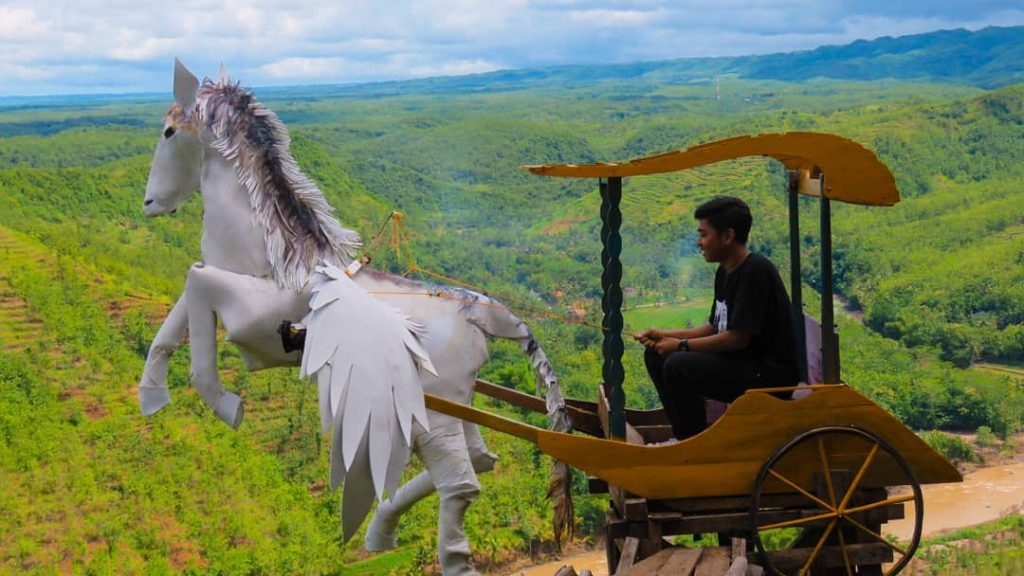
(812, 337)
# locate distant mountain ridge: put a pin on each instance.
(988, 58)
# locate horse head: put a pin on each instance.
(177, 162)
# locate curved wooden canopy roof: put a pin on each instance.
(852, 173)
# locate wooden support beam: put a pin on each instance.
(628, 555)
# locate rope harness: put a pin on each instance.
(402, 248)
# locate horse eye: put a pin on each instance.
(169, 132)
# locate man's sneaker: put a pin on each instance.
(668, 442)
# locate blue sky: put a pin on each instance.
(90, 46)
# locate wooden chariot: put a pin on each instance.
(804, 476)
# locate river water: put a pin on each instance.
(984, 495)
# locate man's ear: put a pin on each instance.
(729, 236)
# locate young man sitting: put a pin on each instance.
(749, 340)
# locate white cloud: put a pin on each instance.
(605, 17)
(305, 68)
(455, 68)
(19, 23)
(129, 45)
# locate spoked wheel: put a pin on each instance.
(819, 502)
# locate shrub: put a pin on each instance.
(950, 446)
(985, 437)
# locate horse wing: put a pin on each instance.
(366, 357)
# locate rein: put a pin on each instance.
(402, 246)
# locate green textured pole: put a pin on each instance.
(611, 303)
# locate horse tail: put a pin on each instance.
(496, 320)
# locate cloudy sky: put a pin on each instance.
(89, 46)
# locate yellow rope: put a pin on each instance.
(400, 239)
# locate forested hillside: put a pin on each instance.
(933, 285)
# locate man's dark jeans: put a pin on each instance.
(684, 379)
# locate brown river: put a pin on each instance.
(985, 494)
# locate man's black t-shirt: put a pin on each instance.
(753, 299)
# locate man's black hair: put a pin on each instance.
(726, 212)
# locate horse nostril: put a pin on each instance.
(147, 202)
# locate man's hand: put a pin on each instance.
(666, 346)
(649, 337)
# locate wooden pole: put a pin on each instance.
(829, 340)
(795, 281)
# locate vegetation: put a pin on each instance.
(991, 549)
(933, 286)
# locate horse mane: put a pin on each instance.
(299, 225)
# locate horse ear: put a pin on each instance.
(224, 76)
(185, 85)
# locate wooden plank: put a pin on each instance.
(514, 397)
(682, 562)
(655, 434)
(729, 503)
(650, 566)
(832, 556)
(739, 548)
(731, 522)
(713, 562)
(635, 509)
(634, 417)
(629, 548)
(582, 420)
(492, 421)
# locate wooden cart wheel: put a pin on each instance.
(834, 527)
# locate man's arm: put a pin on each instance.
(651, 336)
(726, 341)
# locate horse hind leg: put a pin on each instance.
(446, 456)
(380, 534)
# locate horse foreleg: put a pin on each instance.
(153, 394)
(202, 328)
(380, 534)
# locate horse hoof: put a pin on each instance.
(152, 399)
(229, 409)
(378, 539)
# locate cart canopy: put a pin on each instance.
(854, 174)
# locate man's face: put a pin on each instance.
(711, 243)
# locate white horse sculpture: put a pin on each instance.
(266, 227)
